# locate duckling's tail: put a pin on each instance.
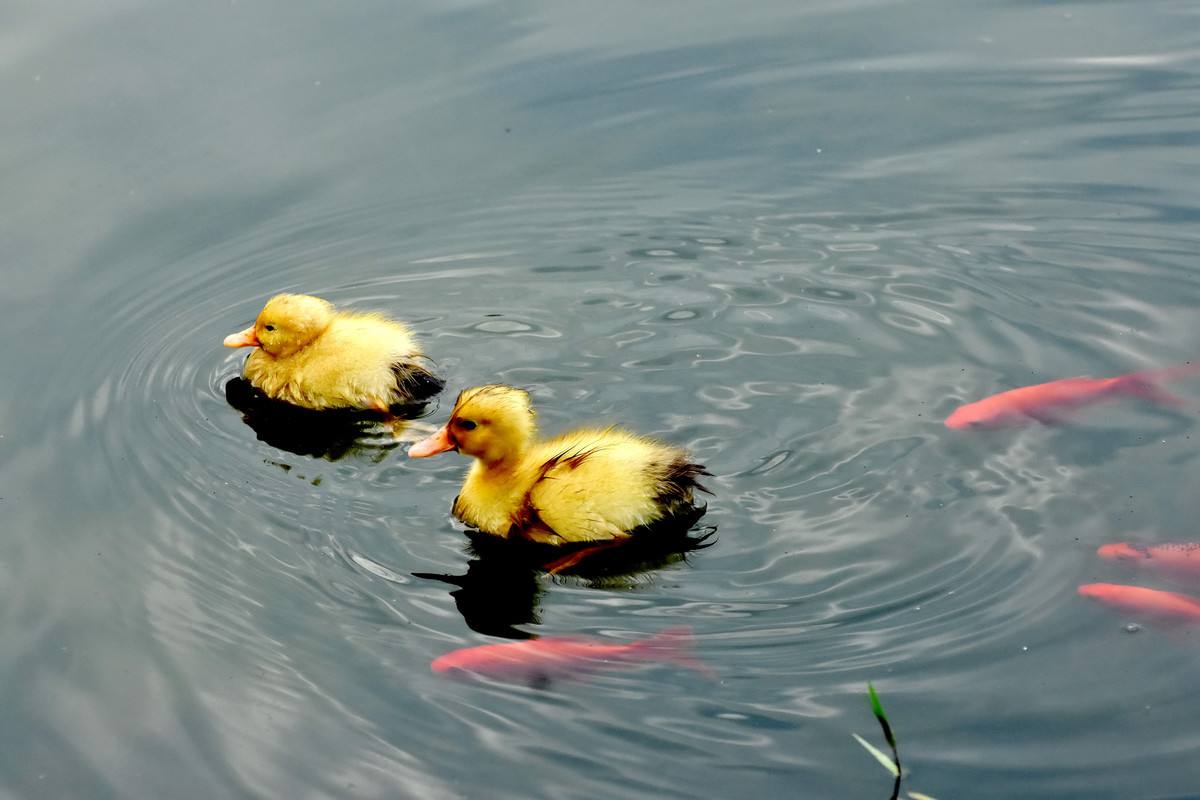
(415, 382)
(680, 480)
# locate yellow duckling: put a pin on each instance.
(314, 357)
(583, 486)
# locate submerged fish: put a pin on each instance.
(538, 661)
(1177, 557)
(1170, 606)
(1043, 402)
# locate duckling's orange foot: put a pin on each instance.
(387, 418)
(574, 558)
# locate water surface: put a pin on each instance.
(790, 237)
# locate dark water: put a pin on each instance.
(792, 236)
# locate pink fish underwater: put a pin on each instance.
(1046, 402)
(538, 661)
(1180, 558)
(1165, 606)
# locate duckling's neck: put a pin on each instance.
(494, 492)
(504, 463)
(505, 451)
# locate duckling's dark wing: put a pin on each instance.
(529, 522)
(570, 457)
(531, 527)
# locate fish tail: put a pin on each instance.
(1185, 370)
(1145, 384)
(674, 645)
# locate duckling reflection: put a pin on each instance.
(331, 434)
(502, 587)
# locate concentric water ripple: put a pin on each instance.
(806, 359)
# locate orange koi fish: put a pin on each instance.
(1043, 402)
(1140, 600)
(537, 661)
(1177, 557)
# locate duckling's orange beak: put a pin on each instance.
(244, 338)
(438, 443)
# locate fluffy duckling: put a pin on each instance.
(314, 357)
(583, 486)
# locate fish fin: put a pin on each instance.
(1044, 417)
(674, 645)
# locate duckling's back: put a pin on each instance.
(604, 483)
(371, 355)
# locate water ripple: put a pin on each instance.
(807, 359)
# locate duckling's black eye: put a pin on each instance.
(269, 327)
(466, 424)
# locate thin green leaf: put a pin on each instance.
(880, 756)
(919, 796)
(877, 709)
(876, 706)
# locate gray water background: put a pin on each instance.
(790, 236)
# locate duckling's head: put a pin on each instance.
(491, 423)
(287, 323)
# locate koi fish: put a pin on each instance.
(1140, 600)
(1043, 402)
(538, 661)
(1177, 557)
